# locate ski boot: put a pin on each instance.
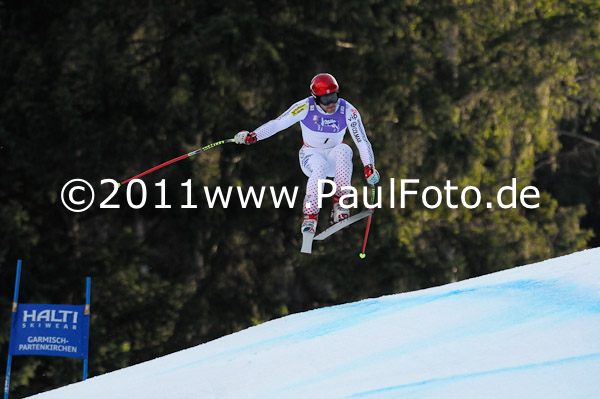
(309, 224)
(308, 229)
(338, 213)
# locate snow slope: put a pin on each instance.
(528, 332)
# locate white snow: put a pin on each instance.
(528, 332)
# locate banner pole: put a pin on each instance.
(88, 288)
(14, 313)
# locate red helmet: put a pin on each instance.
(322, 84)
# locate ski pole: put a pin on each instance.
(362, 254)
(203, 149)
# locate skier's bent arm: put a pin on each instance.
(357, 131)
(294, 114)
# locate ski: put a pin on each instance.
(308, 237)
(307, 240)
(344, 223)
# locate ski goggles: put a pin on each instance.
(328, 98)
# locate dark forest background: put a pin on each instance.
(476, 92)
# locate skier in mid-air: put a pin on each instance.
(324, 118)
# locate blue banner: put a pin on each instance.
(50, 330)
